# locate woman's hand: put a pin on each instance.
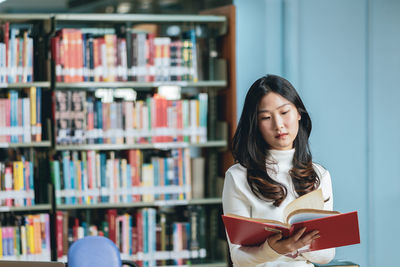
(293, 243)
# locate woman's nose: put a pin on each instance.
(278, 123)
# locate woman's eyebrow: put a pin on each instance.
(266, 110)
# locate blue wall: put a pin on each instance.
(343, 57)
(384, 70)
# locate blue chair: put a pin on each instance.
(96, 251)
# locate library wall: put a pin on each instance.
(344, 52)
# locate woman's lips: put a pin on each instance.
(281, 136)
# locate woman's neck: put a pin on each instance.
(284, 158)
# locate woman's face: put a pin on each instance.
(278, 121)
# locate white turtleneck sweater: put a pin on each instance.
(237, 198)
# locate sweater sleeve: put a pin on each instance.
(234, 201)
(326, 255)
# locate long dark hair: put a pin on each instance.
(251, 150)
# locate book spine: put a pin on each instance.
(38, 136)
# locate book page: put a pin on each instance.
(265, 221)
(312, 200)
(309, 214)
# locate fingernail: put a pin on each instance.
(317, 236)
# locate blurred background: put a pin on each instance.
(344, 59)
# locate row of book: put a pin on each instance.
(143, 235)
(28, 238)
(20, 116)
(16, 54)
(95, 177)
(17, 184)
(138, 56)
(81, 119)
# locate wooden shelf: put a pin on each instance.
(103, 147)
(26, 145)
(25, 85)
(157, 203)
(118, 18)
(140, 85)
(24, 17)
(38, 207)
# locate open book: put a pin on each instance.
(335, 229)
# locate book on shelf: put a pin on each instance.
(28, 237)
(90, 177)
(16, 54)
(78, 120)
(198, 177)
(82, 119)
(140, 55)
(141, 234)
(20, 116)
(335, 229)
(17, 187)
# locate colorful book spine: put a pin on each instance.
(141, 56)
(156, 120)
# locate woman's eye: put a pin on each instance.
(266, 118)
(285, 112)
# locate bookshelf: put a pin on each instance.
(24, 140)
(153, 197)
(172, 202)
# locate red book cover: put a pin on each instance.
(134, 240)
(135, 175)
(111, 219)
(335, 230)
(79, 53)
(59, 233)
(75, 229)
(139, 226)
(66, 55)
(65, 228)
(74, 55)
(6, 32)
(169, 118)
(56, 56)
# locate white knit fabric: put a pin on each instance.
(237, 198)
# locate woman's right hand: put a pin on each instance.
(293, 243)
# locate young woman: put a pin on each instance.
(274, 166)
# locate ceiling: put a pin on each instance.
(109, 6)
